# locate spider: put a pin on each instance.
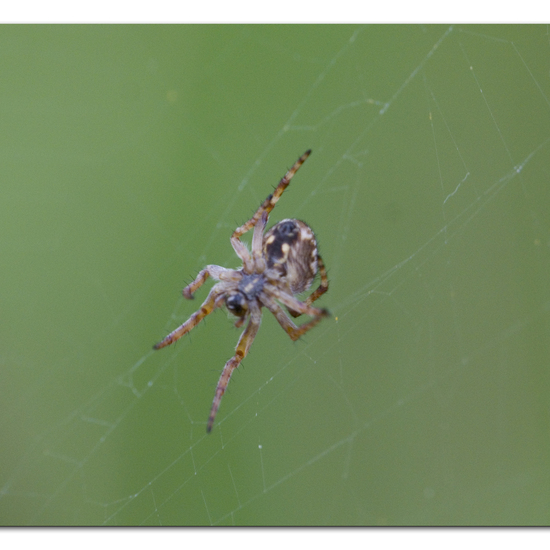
(281, 264)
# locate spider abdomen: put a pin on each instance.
(291, 250)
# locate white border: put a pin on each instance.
(281, 11)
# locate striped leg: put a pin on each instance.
(245, 341)
(319, 291)
(271, 201)
(216, 272)
(213, 300)
(190, 289)
(288, 326)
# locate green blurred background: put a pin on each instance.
(130, 153)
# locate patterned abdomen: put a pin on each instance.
(290, 249)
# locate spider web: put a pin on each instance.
(423, 400)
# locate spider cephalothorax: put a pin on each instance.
(283, 263)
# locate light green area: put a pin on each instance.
(129, 154)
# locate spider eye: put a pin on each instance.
(236, 304)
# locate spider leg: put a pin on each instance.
(239, 322)
(286, 323)
(245, 341)
(293, 303)
(257, 244)
(216, 272)
(271, 200)
(242, 252)
(319, 291)
(213, 301)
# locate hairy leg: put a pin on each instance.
(319, 291)
(257, 244)
(293, 303)
(245, 341)
(271, 200)
(216, 272)
(286, 323)
(213, 301)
